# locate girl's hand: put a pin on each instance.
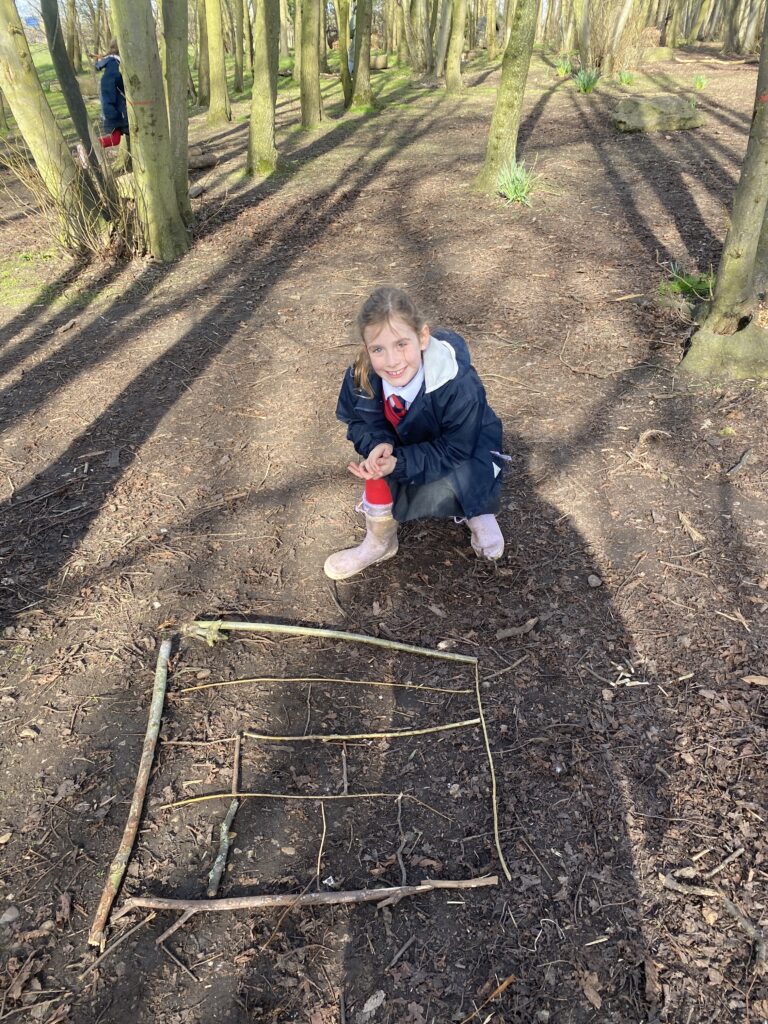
(380, 462)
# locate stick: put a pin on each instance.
(307, 899)
(496, 992)
(724, 864)
(298, 796)
(209, 630)
(362, 735)
(96, 936)
(494, 799)
(669, 882)
(320, 679)
(116, 943)
(214, 878)
(174, 927)
(320, 851)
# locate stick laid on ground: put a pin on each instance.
(96, 936)
(307, 899)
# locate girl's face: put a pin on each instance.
(395, 350)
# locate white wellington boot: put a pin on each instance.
(379, 544)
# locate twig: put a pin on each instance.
(496, 992)
(344, 782)
(724, 864)
(236, 765)
(307, 899)
(214, 878)
(96, 936)
(403, 949)
(401, 847)
(301, 796)
(116, 943)
(333, 737)
(670, 882)
(320, 679)
(322, 844)
(174, 927)
(177, 961)
(209, 630)
(342, 1009)
(494, 799)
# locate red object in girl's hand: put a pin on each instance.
(111, 140)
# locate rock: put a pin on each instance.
(594, 581)
(663, 113)
(10, 915)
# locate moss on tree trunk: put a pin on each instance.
(453, 79)
(262, 152)
(311, 103)
(219, 111)
(505, 123)
(204, 63)
(362, 95)
(174, 21)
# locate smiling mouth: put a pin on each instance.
(396, 373)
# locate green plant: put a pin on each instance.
(516, 183)
(626, 78)
(586, 79)
(699, 82)
(563, 66)
(689, 286)
(693, 102)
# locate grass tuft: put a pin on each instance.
(699, 82)
(563, 66)
(586, 79)
(516, 183)
(689, 286)
(626, 78)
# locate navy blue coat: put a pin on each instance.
(114, 109)
(449, 433)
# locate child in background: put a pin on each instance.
(114, 109)
(416, 412)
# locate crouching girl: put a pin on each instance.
(416, 412)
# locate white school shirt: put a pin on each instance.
(408, 392)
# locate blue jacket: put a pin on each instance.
(449, 430)
(114, 109)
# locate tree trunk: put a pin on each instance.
(443, 35)
(584, 32)
(204, 62)
(490, 29)
(285, 51)
(175, 29)
(735, 288)
(97, 19)
(342, 17)
(219, 111)
(248, 38)
(453, 80)
(239, 45)
(311, 103)
(77, 61)
(698, 21)
(156, 203)
(34, 118)
(298, 13)
(362, 96)
(510, 6)
(71, 30)
(4, 127)
(262, 152)
(505, 123)
(69, 87)
(609, 57)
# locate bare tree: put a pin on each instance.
(219, 110)
(175, 36)
(453, 79)
(311, 101)
(262, 152)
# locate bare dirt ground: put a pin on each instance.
(170, 452)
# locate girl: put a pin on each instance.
(416, 412)
(114, 109)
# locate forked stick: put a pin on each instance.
(96, 936)
(307, 899)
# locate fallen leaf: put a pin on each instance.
(503, 634)
(64, 909)
(5, 838)
(755, 680)
(652, 986)
(589, 986)
(690, 529)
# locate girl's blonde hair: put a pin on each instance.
(378, 309)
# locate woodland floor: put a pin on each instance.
(170, 452)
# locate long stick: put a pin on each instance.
(96, 936)
(209, 630)
(320, 679)
(363, 735)
(494, 800)
(301, 796)
(307, 899)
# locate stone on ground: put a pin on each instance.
(662, 113)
